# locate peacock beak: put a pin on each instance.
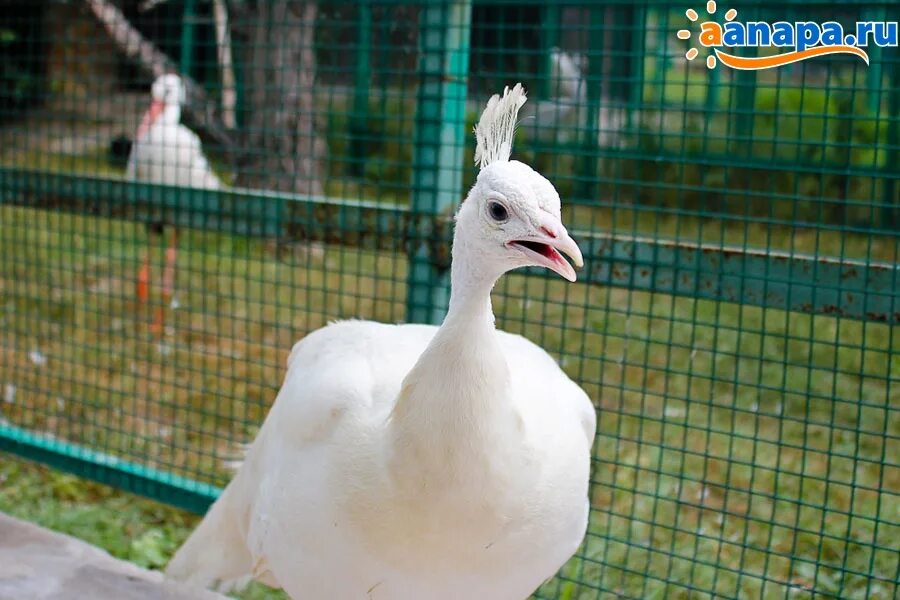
(545, 246)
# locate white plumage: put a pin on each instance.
(497, 127)
(566, 73)
(165, 151)
(564, 117)
(411, 461)
(561, 115)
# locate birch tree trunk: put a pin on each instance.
(226, 68)
(283, 149)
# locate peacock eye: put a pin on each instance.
(498, 212)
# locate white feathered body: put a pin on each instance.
(405, 462)
(337, 499)
(170, 153)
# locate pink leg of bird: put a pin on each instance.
(168, 283)
(142, 283)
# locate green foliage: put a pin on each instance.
(128, 527)
(141, 531)
(19, 84)
(813, 155)
(821, 152)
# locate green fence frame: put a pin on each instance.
(847, 288)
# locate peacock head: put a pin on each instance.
(515, 208)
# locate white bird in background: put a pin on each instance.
(566, 73)
(557, 117)
(166, 152)
(564, 117)
(413, 461)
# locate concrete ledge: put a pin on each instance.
(39, 564)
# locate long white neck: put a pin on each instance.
(171, 114)
(471, 283)
(453, 397)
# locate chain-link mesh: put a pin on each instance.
(735, 323)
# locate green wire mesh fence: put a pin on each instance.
(736, 320)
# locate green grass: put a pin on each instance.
(741, 451)
(127, 526)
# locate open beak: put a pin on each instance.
(544, 247)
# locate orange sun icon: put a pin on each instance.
(685, 34)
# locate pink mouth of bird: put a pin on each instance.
(545, 255)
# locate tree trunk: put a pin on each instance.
(223, 42)
(283, 148)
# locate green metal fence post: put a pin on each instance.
(712, 90)
(362, 76)
(624, 59)
(875, 70)
(636, 43)
(439, 144)
(549, 39)
(744, 83)
(889, 203)
(188, 21)
(661, 62)
(594, 82)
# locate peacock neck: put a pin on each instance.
(453, 397)
(471, 281)
(469, 311)
(467, 333)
